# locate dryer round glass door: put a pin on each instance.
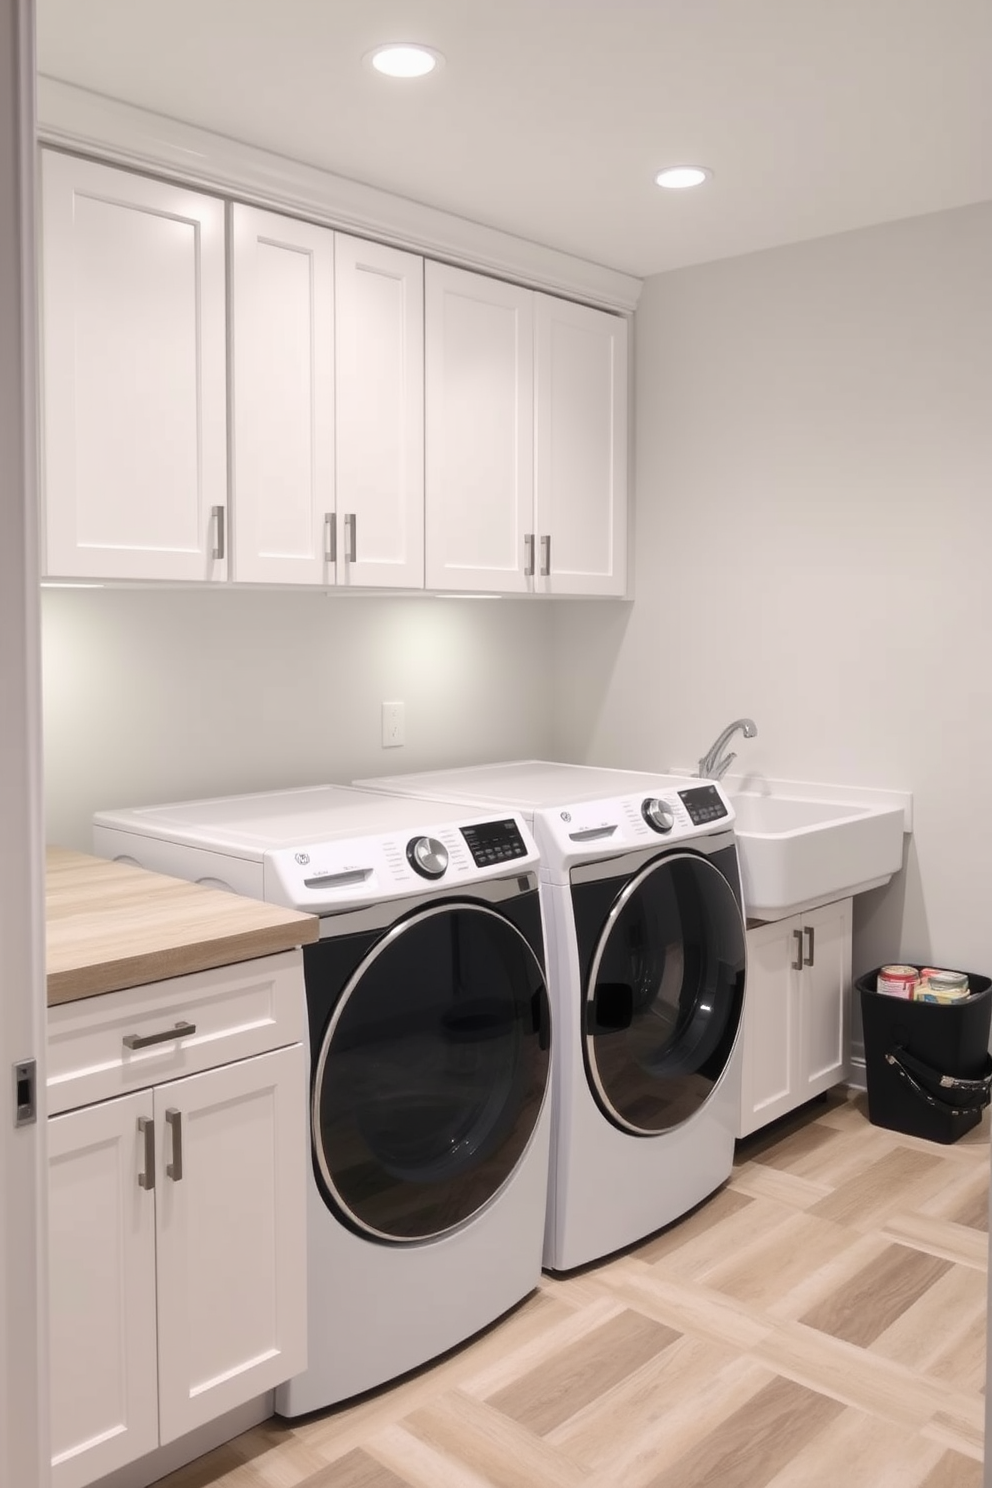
(431, 1073)
(665, 994)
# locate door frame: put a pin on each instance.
(24, 1456)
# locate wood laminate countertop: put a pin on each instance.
(110, 925)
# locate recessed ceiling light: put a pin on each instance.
(404, 60)
(677, 177)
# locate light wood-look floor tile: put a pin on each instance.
(820, 1320)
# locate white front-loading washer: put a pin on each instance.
(429, 1056)
(646, 968)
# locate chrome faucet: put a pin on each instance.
(711, 766)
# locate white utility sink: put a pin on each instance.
(796, 852)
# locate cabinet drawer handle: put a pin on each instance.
(330, 538)
(142, 1040)
(545, 554)
(810, 946)
(529, 550)
(217, 517)
(146, 1129)
(174, 1169)
(797, 965)
(351, 532)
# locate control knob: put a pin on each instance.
(658, 814)
(427, 856)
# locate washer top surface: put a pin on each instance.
(252, 825)
(528, 785)
(327, 847)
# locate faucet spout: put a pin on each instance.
(714, 763)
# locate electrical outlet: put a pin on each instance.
(392, 725)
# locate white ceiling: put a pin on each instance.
(550, 117)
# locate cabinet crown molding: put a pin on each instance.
(72, 118)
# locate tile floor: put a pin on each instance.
(819, 1322)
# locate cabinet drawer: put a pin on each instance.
(96, 1047)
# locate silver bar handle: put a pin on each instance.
(797, 965)
(529, 550)
(810, 946)
(146, 1129)
(351, 533)
(174, 1120)
(545, 554)
(217, 519)
(142, 1040)
(330, 538)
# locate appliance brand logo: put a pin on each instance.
(302, 858)
(566, 816)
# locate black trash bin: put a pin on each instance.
(927, 1064)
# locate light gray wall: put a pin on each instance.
(813, 547)
(159, 695)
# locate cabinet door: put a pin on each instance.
(231, 1232)
(581, 442)
(826, 998)
(282, 338)
(134, 379)
(771, 1028)
(479, 350)
(379, 372)
(101, 1257)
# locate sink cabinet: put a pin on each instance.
(797, 1011)
(176, 1210)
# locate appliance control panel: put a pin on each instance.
(494, 842)
(704, 804)
(587, 830)
(326, 877)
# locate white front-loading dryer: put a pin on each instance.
(646, 948)
(429, 1056)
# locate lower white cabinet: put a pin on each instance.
(177, 1255)
(797, 1012)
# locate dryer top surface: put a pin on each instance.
(527, 785)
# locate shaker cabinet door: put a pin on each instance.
(581, 454)
(771, 1024)
(101, 1260)
(826, 993)
(282, 399)
(134, 376)
(231, 1236)
(379, 365)
(479, 352)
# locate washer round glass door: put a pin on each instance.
(431, 1073)
(665, 994)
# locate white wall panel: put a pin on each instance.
(812, 548)
(157, 695)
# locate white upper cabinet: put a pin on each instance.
(282, 399)
(392, 423)
(526, 440)
(328, 407)
(480, 432)
(581, 449)
(379, 366)
(134, 377)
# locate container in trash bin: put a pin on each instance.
(927, 1064)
